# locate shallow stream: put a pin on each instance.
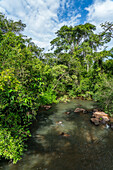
(86, 146)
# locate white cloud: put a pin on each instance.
(2, 10)
(73, 20)
(40, 16)
(100, 12)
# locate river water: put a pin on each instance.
(86, 147)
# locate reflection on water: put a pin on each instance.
(85, 148)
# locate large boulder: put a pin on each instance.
(100, 117)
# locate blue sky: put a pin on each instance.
(44, 17)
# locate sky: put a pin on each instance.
(44, 17)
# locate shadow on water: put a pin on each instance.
(42, 118)
(85, 148)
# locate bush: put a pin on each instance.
(48, 96)
(14, 105)
(11, 146)
(104, 95)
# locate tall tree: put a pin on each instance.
(9, 25)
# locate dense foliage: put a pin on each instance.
(80, 66)
(23, 87)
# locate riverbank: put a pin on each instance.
(61, 140)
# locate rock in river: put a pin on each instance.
(47, 107)
(100, 117)
(67, 113)
(78, 110)
(96, 121)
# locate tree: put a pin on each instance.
(70, 37)
(9, 25)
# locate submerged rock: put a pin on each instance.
(96, 121)
(111, 126)
(78, 110)
(111, 120)
(59, 122)
(67, 113)
(97, 110)
(107, 126)
(47, 107)
(111, 123)
(64, 134)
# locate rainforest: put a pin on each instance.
(78, 65)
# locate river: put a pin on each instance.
(86, 146)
